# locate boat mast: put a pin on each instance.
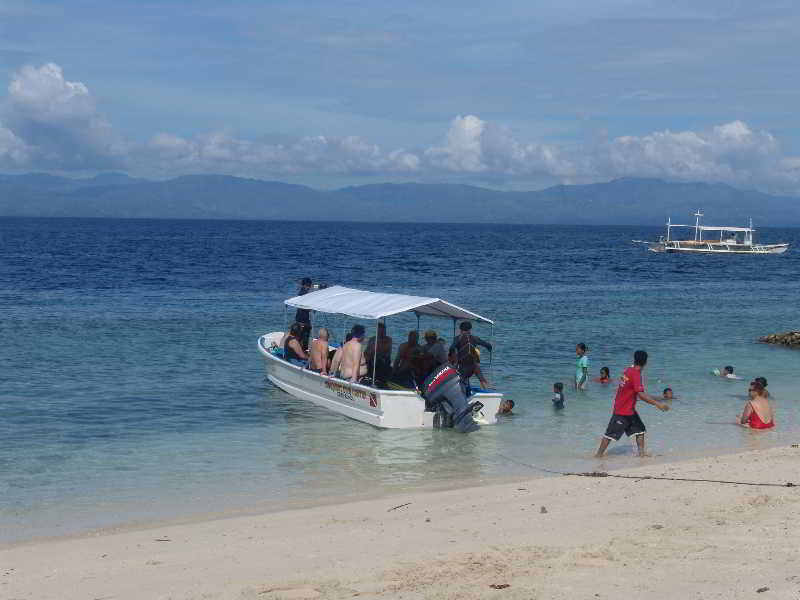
(698, 236)
(669, 225)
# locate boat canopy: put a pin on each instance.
(710, 228)
(375, 305)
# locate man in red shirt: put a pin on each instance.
(625, 418)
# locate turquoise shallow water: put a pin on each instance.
(131, 389)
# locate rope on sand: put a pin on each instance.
(788, 484)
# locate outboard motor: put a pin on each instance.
(443, 393)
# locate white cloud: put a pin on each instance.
(220, 152)
(475, 146)
(731, 153)
(13, 151)
(59, 122)
(48, 122)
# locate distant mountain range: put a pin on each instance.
(626, 201)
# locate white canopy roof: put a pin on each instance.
(375, 305)
(710, 228)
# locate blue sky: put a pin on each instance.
(508, 94)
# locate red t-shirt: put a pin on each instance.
(630, 384)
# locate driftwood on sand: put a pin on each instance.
(790, 338)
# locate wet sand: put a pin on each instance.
(565, 537)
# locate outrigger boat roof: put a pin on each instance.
(709, 228)
(361, 304)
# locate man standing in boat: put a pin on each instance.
(303, 315)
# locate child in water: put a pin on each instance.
(668, 394)
(581, 367)
(558, 395)
(605, 376)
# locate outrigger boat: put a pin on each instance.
(442, 401)
(732, 240)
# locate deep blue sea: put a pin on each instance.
(132, 390)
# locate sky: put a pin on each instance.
(516, 94)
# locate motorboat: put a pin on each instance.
(712, 240)
(441, 401)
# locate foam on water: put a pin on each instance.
(131, 388)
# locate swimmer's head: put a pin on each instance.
(728, 370)
(640, 358)
(506, 406)
(605, 373)
(668, 393)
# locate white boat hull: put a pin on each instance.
(391, 409)
(720, 249)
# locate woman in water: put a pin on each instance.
(757, 412)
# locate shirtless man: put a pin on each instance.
(353, 365)
(319, 352)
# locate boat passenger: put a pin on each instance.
(292, 350)
(379, 354)
(353, 365)
(336, 361)
(605, 376)
(434, 347)
(403, 360)
(319, 352)
(303, 315)
(464, 344)
(757, 412)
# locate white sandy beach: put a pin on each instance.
(565, 537)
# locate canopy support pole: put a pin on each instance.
(375, 352)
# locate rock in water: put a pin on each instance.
(790, 338)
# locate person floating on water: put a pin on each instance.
(581, 367)
(605, 376)
(757, 413)
(625, 419)
(726, 372)
(558, 395)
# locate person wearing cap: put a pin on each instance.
(465, 344)
(303, 315)
(434, 347)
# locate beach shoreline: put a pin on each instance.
(534, 471)
(553, 537)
